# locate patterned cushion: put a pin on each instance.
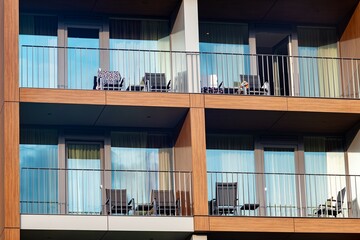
(109, 77)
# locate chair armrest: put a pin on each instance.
(131, 201)
(168, 85)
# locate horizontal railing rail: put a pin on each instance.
(84, 191)
(283, 194)
(189, 72)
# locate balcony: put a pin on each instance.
(283, 195)
(190, 72)
(54, 191)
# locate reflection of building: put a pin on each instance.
(182, 149)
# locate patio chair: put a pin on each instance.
(108, 80)
(209, 84)
(226, 199)
(164, 202)
(255, 86)
(332, 207)
(116, 202)
(156, 82)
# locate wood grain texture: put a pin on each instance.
(197, 100)
(1, 52)
(246, 102)
(11, 234)
(350, 39)
(11, 165)
(198, 147)
(316, 225)
(251, 224)
(147, 99)
(182, 149)
(2, 174)
(39, 95)
(11, 50)
(323, 105)
(201, 224)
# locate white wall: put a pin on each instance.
(354, 169)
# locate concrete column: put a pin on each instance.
(185, 37)
(198, 237)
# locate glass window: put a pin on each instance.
(38, 171)
(141, 162)
(38, 52)
(319, 74)
(230, 159)
(223, 38)
(325, 169)
(135, 45)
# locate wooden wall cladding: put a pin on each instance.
(11, 164)
(2, 162)
(182, 149)
(350, 39)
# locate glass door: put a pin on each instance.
(83, 57)
(84, 178)
(280, 181)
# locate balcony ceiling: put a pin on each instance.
(100, 116)
(328, 12)
(158, 8)
(280, 122)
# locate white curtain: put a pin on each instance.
(220, 38)
(84, 179)
(319, 72)
(280, 182)
(230, 158)
(325, 169)
(141, 162)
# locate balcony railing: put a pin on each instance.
(191, 72)
(105, 192)
(283, 194)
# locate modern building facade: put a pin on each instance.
(179, 119)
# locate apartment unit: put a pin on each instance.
(179, 119)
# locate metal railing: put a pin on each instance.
(105, 192)
(283, 194)
(191, 72)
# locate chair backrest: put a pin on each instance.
(155, 79)
(116, 197)
(340, 198)
(253, 80)
(163, 197)
(109, 75)
(226, 193)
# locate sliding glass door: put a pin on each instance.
(280, 181)
(84, 178)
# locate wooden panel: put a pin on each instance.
(197, 100)
(350, 39)
(323, 105)
(182, 149)
(11, 165)
(11, 234)
(201, 224)
(198, 143)
(1, 52)
(251, 224)
(246, 102)
(147, 99)
(62, 96)
(311, 225)
(11, 50)
(2, 160)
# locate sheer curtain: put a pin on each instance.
(280, 182)
(223, 38)
(141, 161)
(323, 156)
(38, 174)
(230, 158)
(38, 66)
(148, 35)
(319, 77)
(84, 178)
